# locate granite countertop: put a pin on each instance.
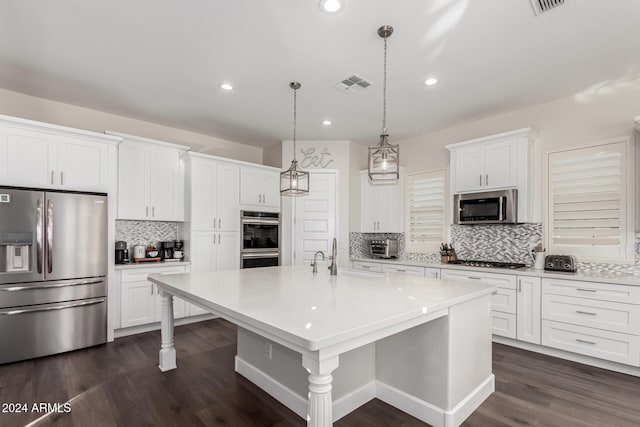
(133, 266)
(589, 276)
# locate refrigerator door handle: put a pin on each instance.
(49, 286)
(49, 236)
(12, 312)
(39, 230)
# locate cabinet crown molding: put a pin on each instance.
(195, 155)
(127, 137)
(513, 134)
(59, 130)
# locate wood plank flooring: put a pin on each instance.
(118, 384)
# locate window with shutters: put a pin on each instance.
(590, 202)
(426, 210)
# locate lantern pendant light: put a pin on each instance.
(294, 181)
(384, 158)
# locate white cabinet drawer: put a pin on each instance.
(592, 290)
(504, 300)
(403, 269)
(367, 266)
(433, 273)
(141, 274)
(504, 324)
(621, 348)
(610, 316)
(499, 280)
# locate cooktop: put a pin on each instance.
(491, 264)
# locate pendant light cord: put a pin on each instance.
(384, 90)
(295, 91)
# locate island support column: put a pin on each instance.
(319, 412)
(167, 350)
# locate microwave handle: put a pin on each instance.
(501, 208)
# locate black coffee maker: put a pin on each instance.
(122, 254)
(178, 250)
(166, 250)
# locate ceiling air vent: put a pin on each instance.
(352, 84)
(542, 6)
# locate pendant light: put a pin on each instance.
(384, 158)
(294, 181)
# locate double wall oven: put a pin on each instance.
(260, 239)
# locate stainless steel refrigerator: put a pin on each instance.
(53, 268)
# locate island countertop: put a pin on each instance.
(318, 311)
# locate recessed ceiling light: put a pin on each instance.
(226, 86)
(326, 122)
(431, 81)
(331, 6)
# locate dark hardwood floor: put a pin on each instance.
(119, 384)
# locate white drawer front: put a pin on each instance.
(433, 273)
(504, 324)
(142, 273)
(621, 348)
(367, 266)
(592, 290)
(504, 300)
(499, 280)
(610, 316)
(403, 269)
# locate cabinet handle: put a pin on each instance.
(61, 178)
(259, 198)
(218, 239)
(214, 224)
(51, 177)
(480, 180)
(365, 266)
(214, 239)
(585, 341)
(151, 289)
(586, 312)
(474, 278)
(586, 290)
(519, 285)
(264, 198)
(146, 213)
(153, 211)
(400, 270)
(219, 222)
(486, 179)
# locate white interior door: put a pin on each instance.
(315, 218)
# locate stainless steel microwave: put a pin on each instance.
(489, 207)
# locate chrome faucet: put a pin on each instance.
(334, 262)
(314, 264)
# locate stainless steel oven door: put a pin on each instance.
(259, 259)
(260, 234)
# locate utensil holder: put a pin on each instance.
(539, 261)
(444, 259)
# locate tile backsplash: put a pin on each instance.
(145, 232)
(507, 243)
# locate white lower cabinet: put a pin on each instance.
(504, 324)
(528, 309)
(403, 269)
(140, 299)
(431, 272)
(367, 266)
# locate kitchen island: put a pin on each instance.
(324, 345)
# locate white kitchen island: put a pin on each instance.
(324, 345)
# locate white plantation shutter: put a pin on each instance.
(426, 196)
(588, 197)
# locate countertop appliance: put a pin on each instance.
(488, 264)
(565, 263)
(489, 207)
(260, 239)
(178, 250)
(384, 248)
(53, 267)
(122, 253)
(139, 251)
(166, 250)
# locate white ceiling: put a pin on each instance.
(162, 60)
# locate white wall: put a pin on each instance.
(44, 110)
(339, 160)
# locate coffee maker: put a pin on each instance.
(166, 250)
(178, 250)
(122, 254)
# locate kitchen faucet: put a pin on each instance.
(314, 264)
(334, 264)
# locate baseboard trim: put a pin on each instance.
(155, 326)
(420, 409)
(432, 414)
(297, 403)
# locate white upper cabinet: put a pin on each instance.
(150, 180)
(381, 205)
(41, 155)
(495, 162)
(260, 188)
(214, 195)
